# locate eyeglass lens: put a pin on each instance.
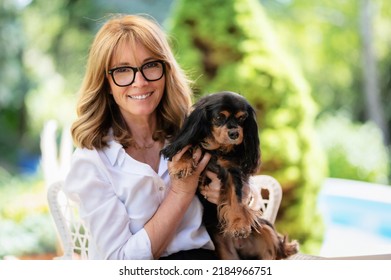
(151, 71)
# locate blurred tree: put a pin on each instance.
(374, 110)
(56, 55)
(232, 46)
(382, 39)
(349, 156)
(326, 39)
(14, 84)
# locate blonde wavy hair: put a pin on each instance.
(96, 109)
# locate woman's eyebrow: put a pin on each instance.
(120, 64)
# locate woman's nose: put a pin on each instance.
(139, 80)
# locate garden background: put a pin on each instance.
(317, 72)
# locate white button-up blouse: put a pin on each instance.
(118, 195)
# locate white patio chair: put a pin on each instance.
(73, 234)
(271, 195)
(71, 230)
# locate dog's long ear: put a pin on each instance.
(193, 131)
(251, 144)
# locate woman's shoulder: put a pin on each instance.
(87, 166)
(85, 154)
(99, 158)
(80, 152)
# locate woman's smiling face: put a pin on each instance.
(140, 98)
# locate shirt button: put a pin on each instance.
(161, 188)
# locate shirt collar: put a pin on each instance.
(113, 149)
(116, 155)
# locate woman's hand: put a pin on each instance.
(211, 192)
(251, 196)
(189, 183)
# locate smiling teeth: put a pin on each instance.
(141, 97)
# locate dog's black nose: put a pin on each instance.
(233, 135)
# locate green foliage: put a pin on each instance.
(55, 58)
(43, 54)
(317, 33)
(26, 225)
(233, 47)
(32, 235)
(325, 38)
(13, 82)
(355, 151)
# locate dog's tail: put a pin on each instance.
(284, 247)
(287, 248)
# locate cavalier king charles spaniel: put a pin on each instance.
(224, 125)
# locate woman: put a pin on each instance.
(133, 99)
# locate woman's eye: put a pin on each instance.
(123, 70)
(150, 65)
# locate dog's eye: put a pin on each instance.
(241, 119)
(219, 119)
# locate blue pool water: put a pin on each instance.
(357, 216)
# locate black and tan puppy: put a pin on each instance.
(224, 125)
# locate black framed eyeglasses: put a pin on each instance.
(124, 75)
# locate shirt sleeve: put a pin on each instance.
(104, 214)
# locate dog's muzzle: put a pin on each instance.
(233, 134)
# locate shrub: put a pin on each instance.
(355, 150)
(26, 225)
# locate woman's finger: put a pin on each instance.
(211, 192)
(201, 161)
(181, 153)
(215, 183)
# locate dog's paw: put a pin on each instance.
(184, 173)
(240, 228)
(236, 222)
(241, 233)
(180, 173)
(182, 169)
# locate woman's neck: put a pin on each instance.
(144, 147)
(142, 130)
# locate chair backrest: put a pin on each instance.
(271, 193)
(74, 236)
(72, 232)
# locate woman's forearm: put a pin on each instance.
(164, 223)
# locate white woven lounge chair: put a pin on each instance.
(74, 237)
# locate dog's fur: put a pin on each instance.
(224, 125)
